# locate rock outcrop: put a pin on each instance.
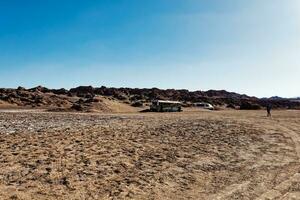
(83, 98)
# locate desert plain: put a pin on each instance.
(229, 154)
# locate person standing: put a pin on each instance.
(269, 108)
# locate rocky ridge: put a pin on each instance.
(86, 98)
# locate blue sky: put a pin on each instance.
(246, 46)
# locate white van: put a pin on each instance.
(204, 105)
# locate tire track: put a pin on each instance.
(281, 191)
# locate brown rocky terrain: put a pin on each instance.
(87, 98)
(60, 100)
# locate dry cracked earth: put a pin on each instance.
(189, 155)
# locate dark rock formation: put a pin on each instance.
(44, 97)
(137, 104)
(249, 106)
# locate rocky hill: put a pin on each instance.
(88, 98)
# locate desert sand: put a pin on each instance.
(188, 155)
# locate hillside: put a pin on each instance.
(105, 99)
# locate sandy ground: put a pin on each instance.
(189, 155)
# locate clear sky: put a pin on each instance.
(246, 46)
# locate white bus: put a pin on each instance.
(165, 106)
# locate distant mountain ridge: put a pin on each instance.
(45, 97)
(278, 97)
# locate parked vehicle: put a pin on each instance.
(204, 105)
(165, 106)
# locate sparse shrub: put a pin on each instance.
(249, 106)
(77, 107)
(137, 104)
(232, 106)
(120, 96)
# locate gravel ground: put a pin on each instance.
(189, 155)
